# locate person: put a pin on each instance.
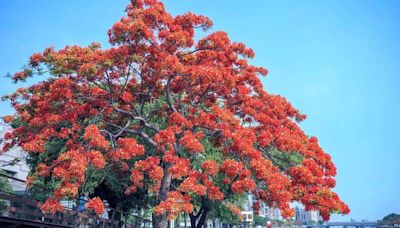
(82, 201)
(105, 213)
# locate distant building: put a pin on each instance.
(274, 213)
(300, 215)
(306, 217)
(265, 211)
(312, 216)
(247, 209)
(13, 162)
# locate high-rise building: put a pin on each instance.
(265, 211)
(312, 216)
(300, 215)
(306, 217)
(274, 213)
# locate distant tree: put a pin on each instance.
(260, 221)
(5, 187)
(166, 122)
(390, 219)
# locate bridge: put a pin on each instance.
(347, 224)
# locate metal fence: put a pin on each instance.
(18, 207)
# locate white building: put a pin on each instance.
(300, 214)
(312, 216)
(306, 217)
(13, 161)
(274, 213)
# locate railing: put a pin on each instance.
(16, 209)
(21, 209)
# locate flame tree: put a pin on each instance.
(183, 125)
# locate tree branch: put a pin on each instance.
(142, 120)
(168, 93)
(136, 132)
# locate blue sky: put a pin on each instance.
(338, 61)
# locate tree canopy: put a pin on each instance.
(176, 123)
(390, 219)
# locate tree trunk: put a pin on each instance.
(197, 221)
(192, 220)
(177, 221)
(202, 219)
(184, 217)
(160, 221)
